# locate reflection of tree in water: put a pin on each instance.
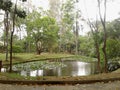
(71, 68)
(49, 72)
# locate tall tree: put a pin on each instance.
(57, 13)
(68, 21)
(44, 31)
(77, 18)
(103, 21)
(6, 6)
(95, 33)
(16, 13)
(71, 19)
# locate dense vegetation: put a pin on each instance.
(56, 31)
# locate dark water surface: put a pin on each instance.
(72, 68)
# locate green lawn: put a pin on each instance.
(25, 57)
(82, 58)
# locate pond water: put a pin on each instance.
(61, 68)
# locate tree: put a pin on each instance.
(87, 46)
(113, 48)
(16, 13)
(113, 29)
(96, 38)
(113, 34)
(103, 21)
(76, 31)
(6, 6)
(56, 12)
(67, 31)
(44, 31)
(71, 21)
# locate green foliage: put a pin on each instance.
(17, 49)
(69, 33)
(21, 13)
(67, 42)
(87, 46)
(113, 48)
(113, 29)
(42, 29)
(2, 48)
(113, 42)
(69, 15)
(6, 5)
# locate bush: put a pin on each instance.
(113, 48)
(17, 49)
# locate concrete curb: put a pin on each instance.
(57, 82)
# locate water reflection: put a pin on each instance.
(77, 68)
(82, 68)
(73, 68)
(3, 69)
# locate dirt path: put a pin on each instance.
(96, 86)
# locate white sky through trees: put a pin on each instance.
(113, 7)
(89, 9)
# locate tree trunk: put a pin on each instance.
(76, 38)
(103, 21)
(11, 49)
(104, 50)
(29, 46)
(94, 30)
(98, 57)
(11, 38)
(95, 35)
(38, 47)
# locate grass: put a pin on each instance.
(13, 76)
(82, 58)
(26, 57)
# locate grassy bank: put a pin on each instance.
(26, 57)
(17, 79)
(82, 58)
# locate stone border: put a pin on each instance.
(42, 82)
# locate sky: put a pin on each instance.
(41, 3)
(113, 8)
(89, 9)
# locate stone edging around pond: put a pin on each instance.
(42, 82)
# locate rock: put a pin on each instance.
(112, 66)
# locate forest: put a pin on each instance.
(27, 29)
